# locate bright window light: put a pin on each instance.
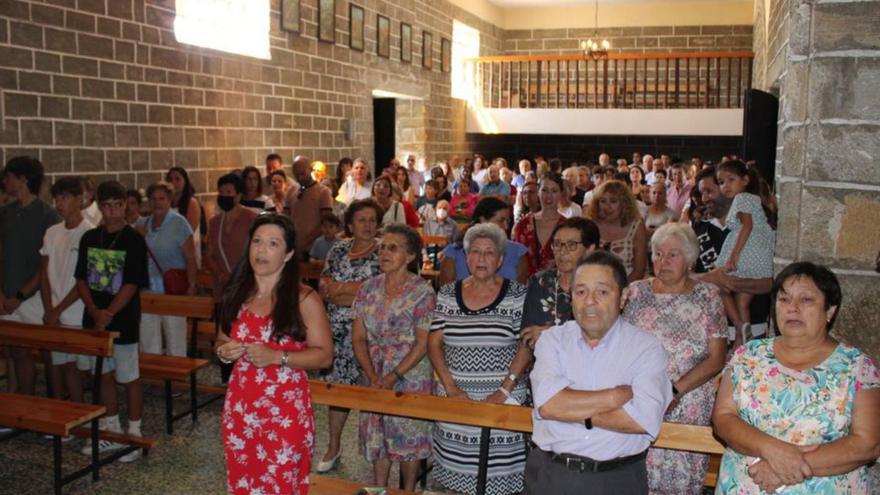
(465, 44)
(234, 26)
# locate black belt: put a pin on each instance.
(582, 464)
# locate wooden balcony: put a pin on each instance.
(715, 80)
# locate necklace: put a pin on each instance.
(357, 254)
(112, 243)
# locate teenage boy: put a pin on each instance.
(330, 228)
(110, 271)
(61, 302)
(23, 222)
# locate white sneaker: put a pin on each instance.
(131, 456)
(103, 446)
(63, 439)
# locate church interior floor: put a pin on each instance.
(190, 461)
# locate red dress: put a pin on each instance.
(525, 232)
(268, 427)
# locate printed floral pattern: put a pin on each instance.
(802, 407)
(685, 324)
(268, 427)
(391, 326)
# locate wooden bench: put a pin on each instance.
(325, 485)
(61, 418)
(487, 416)
(168, 369)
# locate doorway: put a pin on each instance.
(384, 129)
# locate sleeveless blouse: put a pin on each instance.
(623, 248)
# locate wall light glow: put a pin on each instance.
(234, 26)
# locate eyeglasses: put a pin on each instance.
(565, 246)
(391, 248)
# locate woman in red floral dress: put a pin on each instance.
(273, 329)
(535, 230)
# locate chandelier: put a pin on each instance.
(595, 50)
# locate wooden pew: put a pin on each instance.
(168, 369)
(61, 418)
(487, 416)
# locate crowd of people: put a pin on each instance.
(608, 297)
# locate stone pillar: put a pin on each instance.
(828, 171)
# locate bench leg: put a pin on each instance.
(193, 397)
(96, 456)
(169, 408)
(56, 454)
(483, 468)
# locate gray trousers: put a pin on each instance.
(545, 477)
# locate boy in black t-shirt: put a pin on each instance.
(110, 271)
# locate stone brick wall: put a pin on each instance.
(512, 147)
(647, 39)
(828, 180)
(101, 87)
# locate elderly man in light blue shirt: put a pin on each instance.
(600, 389)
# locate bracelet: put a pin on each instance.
(222, 359)
(397, 374)
(284, 356)
(504, 391)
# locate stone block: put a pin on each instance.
(564, 44)
(118, 160)
(114, 111)
(717, 29)
(111, 70)
(79, 66)
(846, 26)
(701, 41)
(161, 159)
(741, 42)
(170, 95)
(686, 30)
(673, 41)
(140, 160)
(844, 88)
(137, 113)
(99, 135)
(789, 219)
(167, 58)
(16, 57)
(194, 97)
(109, 27)
(124, 51)
(14, 8)
(794, 147)
(799, 28)
(125, 91)
(63, 85)
(860, 308)
(795, 87)
(846, 153)
(60, 41)
(20, 104)
(79, 21)
(35, 131)
(68, 134)
(189, 159)
(96, 88)
(536, 44)
(206, 117)
(149, 137)
(56, 160)
(170, 137)
(26, 34)
(48, 62)
(184, 116)
(47, 14)
(88, 160)
(86, 109)
(121, 9)
(127, 136)
(160, 114)
(147, 92)
(518, 34)
(95, 46)
(194, 138)
(838, 227)
(54, 107)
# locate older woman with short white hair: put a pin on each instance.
(475, 348)
(688, 318)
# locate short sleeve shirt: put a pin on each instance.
(106, 262)
(165, 243)
(21, 234)
(61, 247)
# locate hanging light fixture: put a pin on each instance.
(593, 48)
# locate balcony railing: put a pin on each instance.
(661, 80)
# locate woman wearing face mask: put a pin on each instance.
(227, 231)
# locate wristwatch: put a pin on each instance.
(512, 377)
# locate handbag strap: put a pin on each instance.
(149, 226)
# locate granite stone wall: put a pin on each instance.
(828, 178)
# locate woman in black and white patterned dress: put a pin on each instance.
(349, 263)
(475, 348)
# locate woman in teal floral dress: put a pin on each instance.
(799, 412)
(392, 314)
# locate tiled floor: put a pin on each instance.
(190, 461)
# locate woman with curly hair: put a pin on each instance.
(616, 213)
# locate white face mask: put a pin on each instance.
(441, 213)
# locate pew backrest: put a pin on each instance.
(57, 338)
